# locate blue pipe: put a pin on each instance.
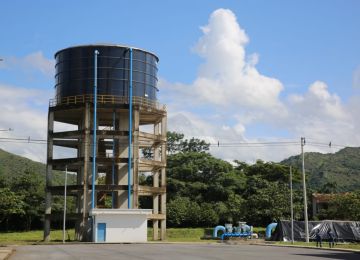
(113, 163)
(269, 228)
(130, 126)
(96, 53)
(217, 229)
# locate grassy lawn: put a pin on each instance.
(35, 236)
(173, 235)
(324, 244)
(186, 234)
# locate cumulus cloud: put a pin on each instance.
(229, 77)
(230, 95)
(32, 62)
(23, 110)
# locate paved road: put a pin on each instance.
(173, 252)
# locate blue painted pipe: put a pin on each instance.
(269, 228)
(217, 229)
(130, 126)
(96, 53)
(113, 163)
(237, 234)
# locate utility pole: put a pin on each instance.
(304, 191)
(291, 207)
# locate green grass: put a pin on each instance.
(36, 236)
(324, 245)
(185, 234)
(31, 237)
(173, 235)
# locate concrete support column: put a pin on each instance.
(163, 179)
(85, 234)
(156, 206)
(156, 184)
(135, 171)
(49, 176)
(122, 168)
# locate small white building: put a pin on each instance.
(120, 225)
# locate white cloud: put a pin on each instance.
(234, 97)
(33, 62)
(318, 102)
(23, 110)
(229, 77)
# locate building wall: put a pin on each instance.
(123, 228)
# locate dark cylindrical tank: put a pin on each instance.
(74, 71)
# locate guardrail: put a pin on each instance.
(106, 99)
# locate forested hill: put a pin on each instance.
(12, 165)
(338, 172)
(331, 172)
(22, 189)
(201, 190)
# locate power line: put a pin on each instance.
(219, 144)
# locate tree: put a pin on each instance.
(344, 206)
(194, 145)
(182, 212)
(268, 203)
(10, 204)
(208, 216)
(174, 142)
(29, 186)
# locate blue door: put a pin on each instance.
(101, 232)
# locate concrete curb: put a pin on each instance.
(5, 253)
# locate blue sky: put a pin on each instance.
(310, 48)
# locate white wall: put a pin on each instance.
(123, 227)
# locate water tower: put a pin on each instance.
(105, 111)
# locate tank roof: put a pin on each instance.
(107, 45)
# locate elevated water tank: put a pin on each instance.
(74, 71)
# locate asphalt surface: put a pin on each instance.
(173, 252)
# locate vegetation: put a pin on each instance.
(343, 207)
(202, 191)
(325, 245)
(22, 189)
(339, 172)
(34, 236)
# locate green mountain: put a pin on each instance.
(22, 188)
(339, 171)
(12, 166)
